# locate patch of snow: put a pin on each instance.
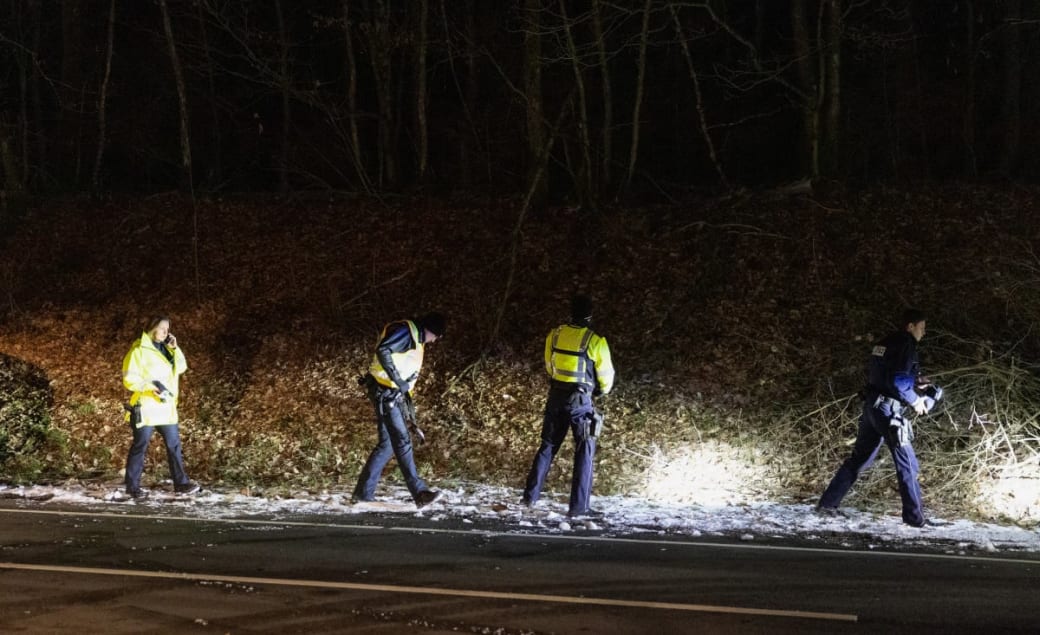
(483, 507)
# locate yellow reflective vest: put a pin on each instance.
(145, 363)
(574, 354)
(407, 363)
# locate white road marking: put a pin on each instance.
(389, 588)
(538, 536)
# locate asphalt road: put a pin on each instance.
(120, 570)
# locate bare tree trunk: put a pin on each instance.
(808, 86)
(533, 92)
(215, 172)
(12, 179)
(103, 96)
(380, 49)
(37, 179)
(23, 126)
(188, 184)
(13, 201)
(420, 89)
(584, 178)
(760, 23)
(925, 151)
(25, 62)
(352, 107)
(968, 90)
(830, 93)
(637, 106)
(182, 101)
(469, 141)
(72, 85)
(1011, 109)
(608, 98)
(285, 83)
(472, 95)
(702, 118)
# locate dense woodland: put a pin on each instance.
(605, 99)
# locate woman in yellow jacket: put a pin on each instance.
(152, 370)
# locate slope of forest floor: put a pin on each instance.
(739, 327)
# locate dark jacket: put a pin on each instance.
(893, 368)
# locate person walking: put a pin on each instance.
(893, 385)
(578, 363)
(151, 371)
(389, 383)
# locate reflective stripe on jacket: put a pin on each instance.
(576, 355)
(144, 364)
(408, 363)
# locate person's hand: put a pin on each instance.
(920, 406)
(171, 341)
(417, 433)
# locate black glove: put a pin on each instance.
(417, 433)
(408, 407)
(408, 411)
(164, 392)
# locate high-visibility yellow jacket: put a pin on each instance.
(574, 354)
(144, 364)
(407, 362)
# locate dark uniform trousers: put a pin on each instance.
(139, 447)
(873, 429)
(568, 407)
(394, 440)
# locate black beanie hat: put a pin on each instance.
(581, 309)
(432, 322)
(911, 316)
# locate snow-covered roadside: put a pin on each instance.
(496, 507)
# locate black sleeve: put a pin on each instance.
(398, 339)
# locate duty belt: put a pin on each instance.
(569, 386)
(894, 404)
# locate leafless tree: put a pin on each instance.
(702, 118)
(470, 139)
(599, 38)
(103, 96)
(72, 88)
(284, 88)
(182, 99)
(536, 138)
(353, 137)
(637, 104)
(215, 171)
(381, 41)
(969, 51)
(1010, 106)
(584, 174)
(420, 88)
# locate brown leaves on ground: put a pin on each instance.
(722, 314)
